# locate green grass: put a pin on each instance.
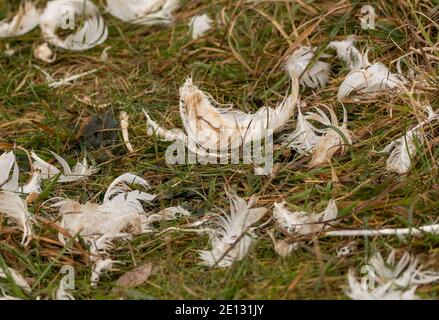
(239, 63)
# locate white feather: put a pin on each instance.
(92, 33)
(143, 12)
(119, 186)
(7, 160)
(332, 141)
(25, 20)
(100, 266)
(369, 81)
(347, 52)
(395, 281)
(232, 239)
(44, 53)
(403, 150)
(404, 273)
(15, 209)
(200, 25)
(17, 277)
(304, 223)
(168, 214)
(361, 291)
(316, 76)
(120, 215)
(365, 80)
(210, 127)
(80, 171)
(304, 138)
(61, 293)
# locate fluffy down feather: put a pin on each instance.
(200, 25)
(304, 223)
(365, 80)
(98, 224)
(232, 239)
(305, 137)
(316, 76)
(347, 52)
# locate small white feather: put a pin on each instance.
(403, 150)
(25, 20)
(62, 293)
(17, 277)
(348, 53)
(15, 209)
(304, 138)
(100, 266)
(80, 171)
(90, 34)
(200, 25)
(316, 76)
(390, 280)
(143, 12)
(232, 239)
(44, 53)
(304, 223)
(333, 141)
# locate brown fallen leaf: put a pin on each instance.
(135, 277)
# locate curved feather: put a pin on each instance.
(26, 19)
(143, 12)
(301, 222)
(15, 209)
(316, 76)
(232, 239)
(92, 32)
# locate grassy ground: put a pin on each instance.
(239, 62)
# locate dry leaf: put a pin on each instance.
(135, 277)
